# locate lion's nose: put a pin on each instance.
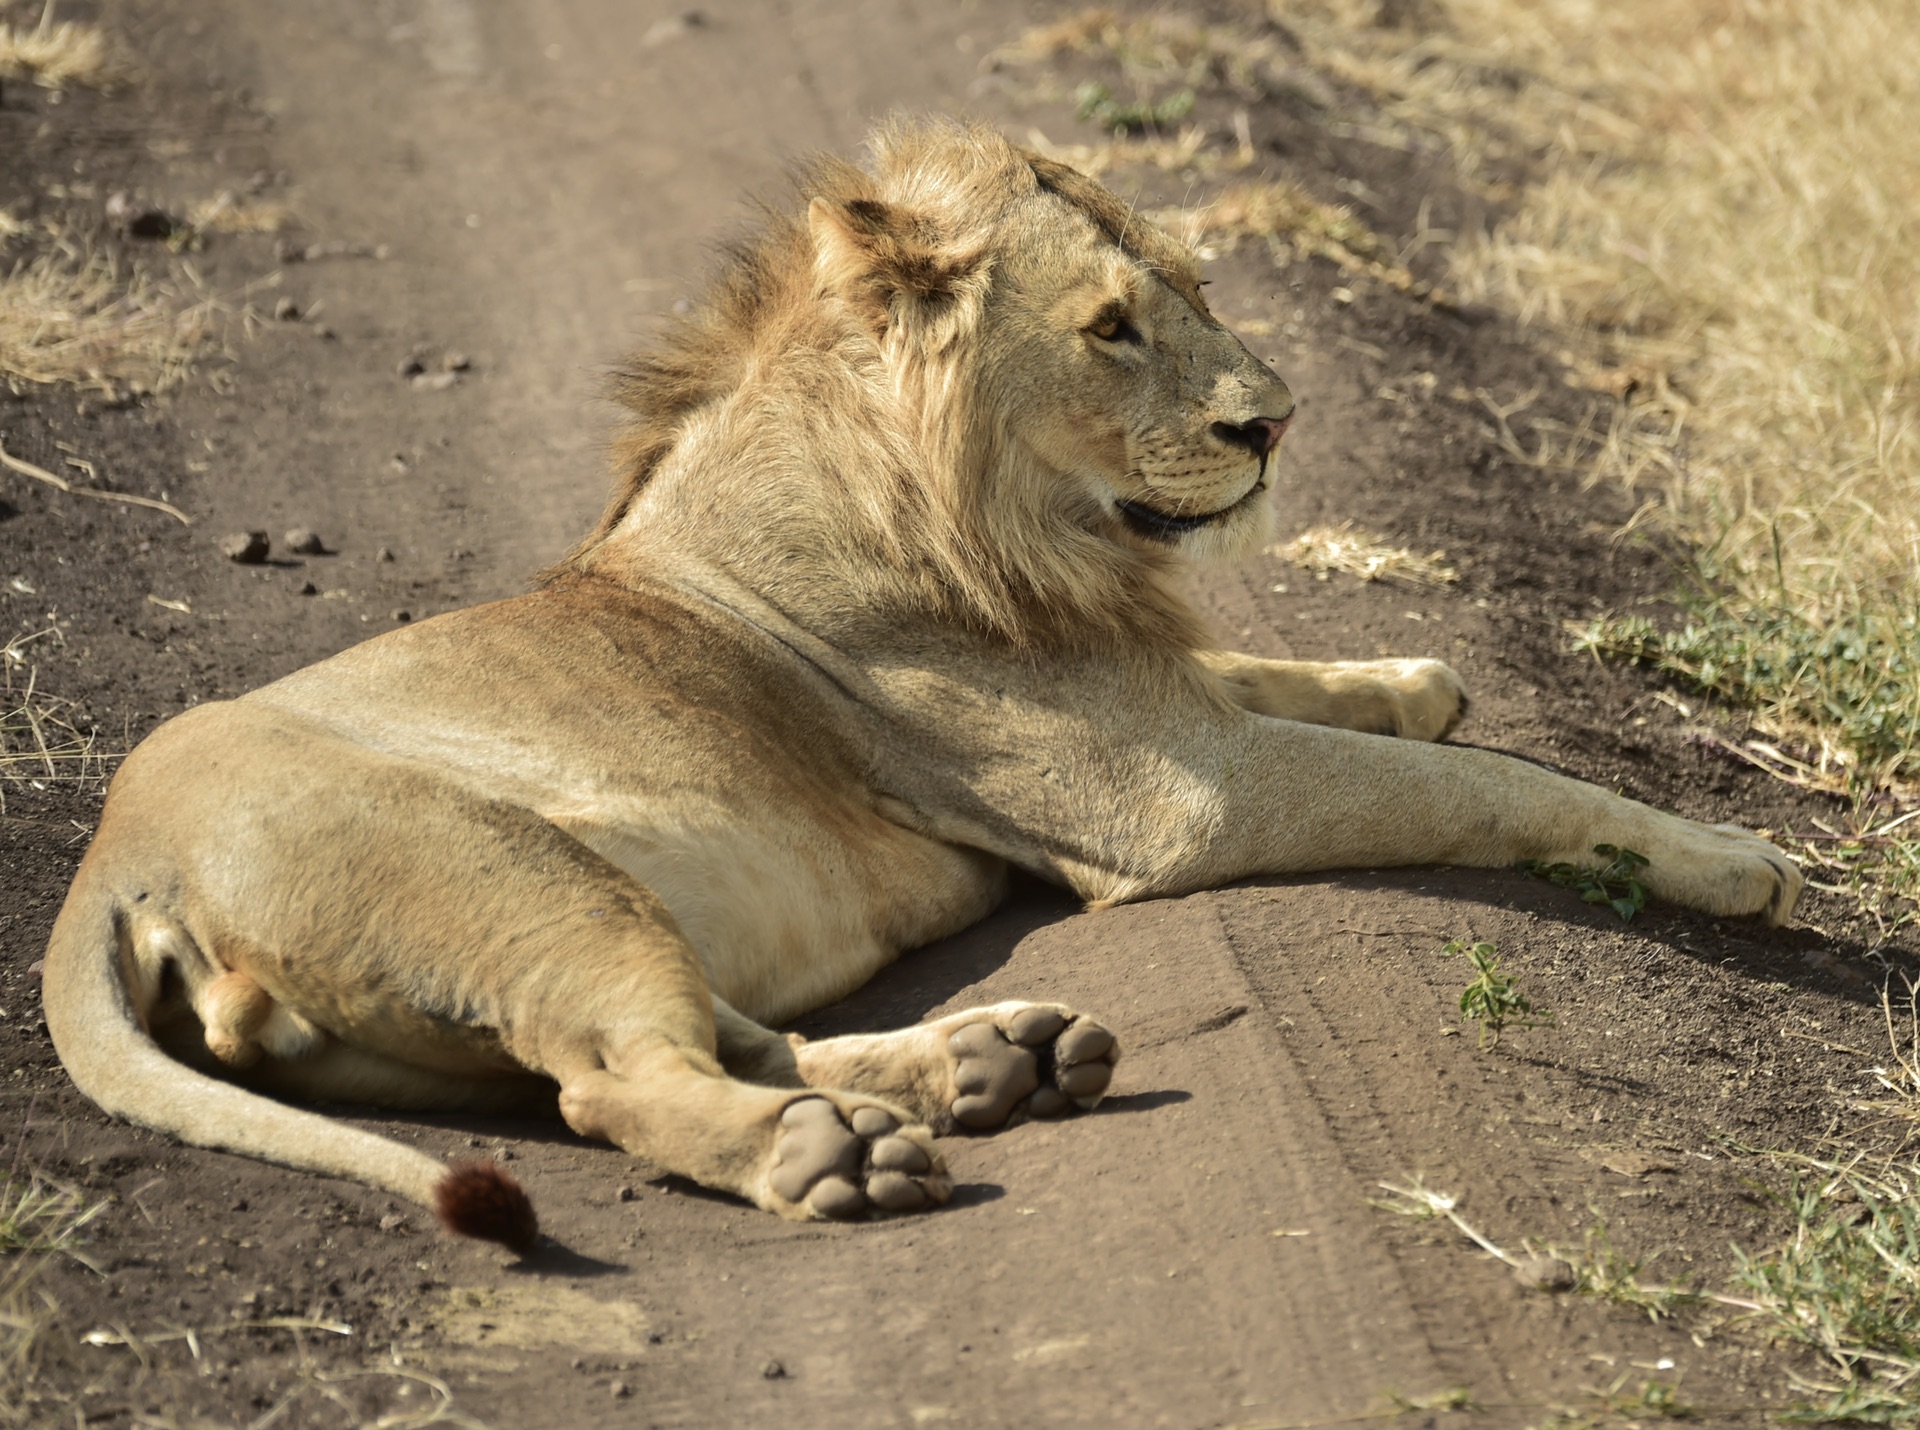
(1259, 436)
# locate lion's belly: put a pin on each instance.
(790, 915)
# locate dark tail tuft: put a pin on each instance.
(479, 1199)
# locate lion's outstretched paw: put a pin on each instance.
(830, 1163)
(1429, 699)
(1038, 1061)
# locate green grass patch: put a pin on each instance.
(1095, 102)
(1846, 1281)
(1856, 677)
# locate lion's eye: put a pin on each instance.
(1113, 328)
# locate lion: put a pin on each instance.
(886, 603)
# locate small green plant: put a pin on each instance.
(1608, 1273)
(1615, 883)
(1096, 102)
(1654, 1399)
(1493, 1000)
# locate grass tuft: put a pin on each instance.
(1322, 549)
(55, 54)
(40, 742)
(89, 320)
(1846, 1281)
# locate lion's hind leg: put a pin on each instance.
(978, 1070)
(805, 1155)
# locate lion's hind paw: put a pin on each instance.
(835, 1164)
(1039, 1062)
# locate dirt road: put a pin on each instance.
(541, 183)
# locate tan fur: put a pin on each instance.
(884, 602)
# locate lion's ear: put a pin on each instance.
(873, 253)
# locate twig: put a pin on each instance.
(41, 474)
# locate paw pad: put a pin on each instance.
(1043, 1064)
(846, 1166)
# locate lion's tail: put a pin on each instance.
(101, 1037)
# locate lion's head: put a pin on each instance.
(974, 374)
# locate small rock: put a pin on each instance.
(435, 381)
(36, 968)
(385, 553)
(248, 548)
(239, 1204)
(393, 1221)
(1545, 1273)
(773, 1370)
(625, 1194)
(620, 1390)
(286, 311)
(307, 588)
(325, 334)
(455, 362)
(411, 366)
(404, 616)
(138, 220)
(302, 541)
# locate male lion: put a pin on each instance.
(885, 602)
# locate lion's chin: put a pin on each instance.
(1168, 529)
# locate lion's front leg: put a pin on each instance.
(1414, 699)
(1289, 798)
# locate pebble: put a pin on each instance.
(302, 541)
(1545, 1273)
(410, 366)
(287, 311)
(620, 1390)
(455, 362)
(248, 548)
(773, 1370)
(385, 553)
(393, 1221)
(435, 381)
(407, 616)
(625, 1194)
(138, 220)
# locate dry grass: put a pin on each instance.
(1718, 237)
(1358, 553)
(228, 212)
(40, 743)
(55, 53)
(91, 320)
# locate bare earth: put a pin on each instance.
(544, 181)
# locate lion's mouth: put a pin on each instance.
(1157, 525)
